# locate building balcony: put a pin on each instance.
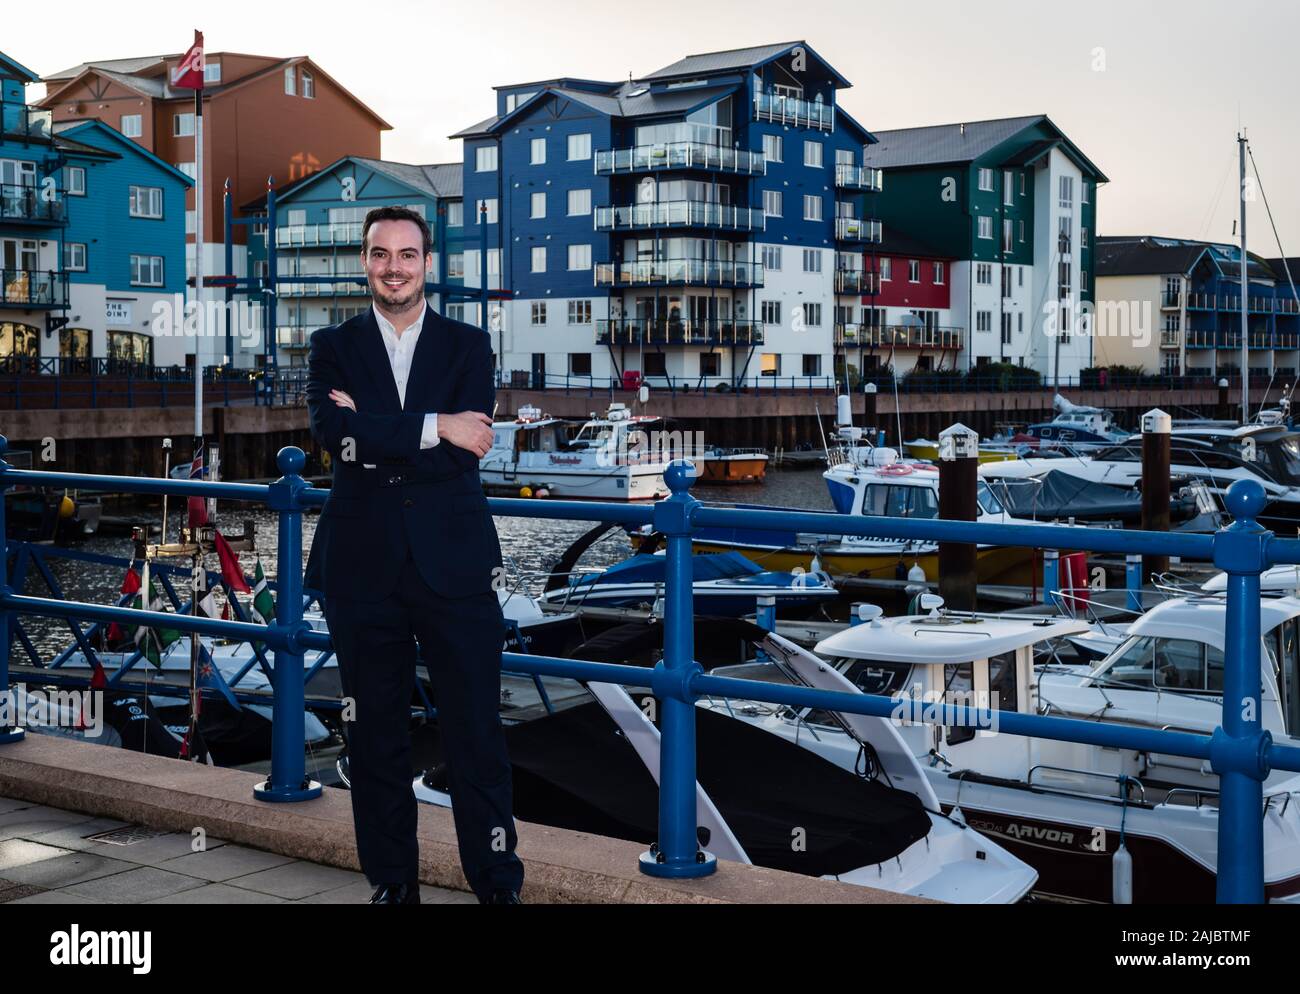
(794, 111)
(856, 281)
(872, 336)
(680, 155)
(1232, 340)
(288, 287)
(33, 288)
(25, 204)
(21, 121)
(1201, 301)
(1171, 301)
(1286, 340)
(850, 177)
(1171, 339)
(1287, 305)
(663, 331)
(679, 272)
(856, 229)
(315, 235)
(679, 214)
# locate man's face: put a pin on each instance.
(395, 264)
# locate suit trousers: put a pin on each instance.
(460, 644)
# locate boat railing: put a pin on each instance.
(1241, 752)
(1121, 780)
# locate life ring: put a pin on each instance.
(896, 469)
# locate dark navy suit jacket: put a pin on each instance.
(429, 501)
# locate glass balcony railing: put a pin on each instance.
(682, 272)
(21, 121)
(287, 287)
(856, 281)
(313, 235)
(679, 214)
(1171, 339)
(851, 177)
(680, 155)
(34, 288)
(794, 111)
(1171, 300)
(1201, 302)
(666, 331)
(897, 336)
(856, 229)
(19, 202)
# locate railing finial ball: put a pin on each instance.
(1245, 499)
(679, 474)
(291, 460)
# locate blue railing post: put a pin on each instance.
(1051, 575)
(1238, 750)
(1133, 581)
(677, 853)
(288, 780)
(9, 732)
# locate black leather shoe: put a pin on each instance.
(502, 896)
(396, 894)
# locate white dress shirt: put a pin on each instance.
(401, 350)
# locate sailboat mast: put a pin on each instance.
(1245, 285)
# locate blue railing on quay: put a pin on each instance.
(1240, 751)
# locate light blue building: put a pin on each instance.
(92, 236)
(707, 222)
(318, 233)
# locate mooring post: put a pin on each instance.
(958, 480)
(1155, 484)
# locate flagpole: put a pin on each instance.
(201, 322)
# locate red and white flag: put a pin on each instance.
(188, 73)
(197, 507)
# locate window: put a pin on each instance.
(579, 312)
(182, 125)
(772, 148)
(491, 206)
(74, 256)
(1020, 324)
(812, 315)
(709, 363)
(514, 100)
(1006, 281)
(1083, 238)
(984, 274)
(189, 169)
(913, 271)
(1022, 231)
(1022, 184)
(938, 274)
(308, 85)
(191, 222)
(456, 265)
(537, 206)
(295, 217)
(1007, 187)
(1020, 275)
(1067, 192)
(132, 125)
(291, 81)
(656, 364)
(886, 269)
(485, 159)
(212, 72)
(146, 201)
(983, 320)
(812, 365)
(1006, 329)
(455, 213)
(537, 152)
(771, 312)
(579, 147)
(1006, 235)
(772, 258)
(146, 270)
(74, 181)
(539, 260)
(772, 203)
(769, 364)
(985, 227)
(580, 363)
(579, 257)
(986, 180)
(812, 208)
(1083, 191)
(812, 154)
(538, 315)
(812, 260)
(579, 202)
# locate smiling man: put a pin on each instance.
(406, 553)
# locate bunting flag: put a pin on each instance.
(151, 641)
(263, 602)
(130, 585)
(197, 506)
(231, 572)
(210, 677)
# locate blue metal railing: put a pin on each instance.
(1240, 752)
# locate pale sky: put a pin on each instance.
(1153, 91)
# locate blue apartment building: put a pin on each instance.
(707, 223)
(318, 233)
(92, 239)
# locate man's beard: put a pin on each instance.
(394, 303)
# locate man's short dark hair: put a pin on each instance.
(396, 214)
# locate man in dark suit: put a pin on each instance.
(406, 551)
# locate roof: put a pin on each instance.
(967, 141)
(13, 68)
(64, 129)
(896, 242)
(1202, 619)
(437, 180)
(1144, 256)
(707, 63)
(1282, 266)
(943, 639)
(131, 65)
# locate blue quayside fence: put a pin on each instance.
(1240, 751)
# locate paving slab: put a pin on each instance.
(225, 862)
(296, 880)
(218, 894)
(134, 886)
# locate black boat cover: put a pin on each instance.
(1057, 494)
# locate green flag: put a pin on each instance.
(151, 641)
(263, 602)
